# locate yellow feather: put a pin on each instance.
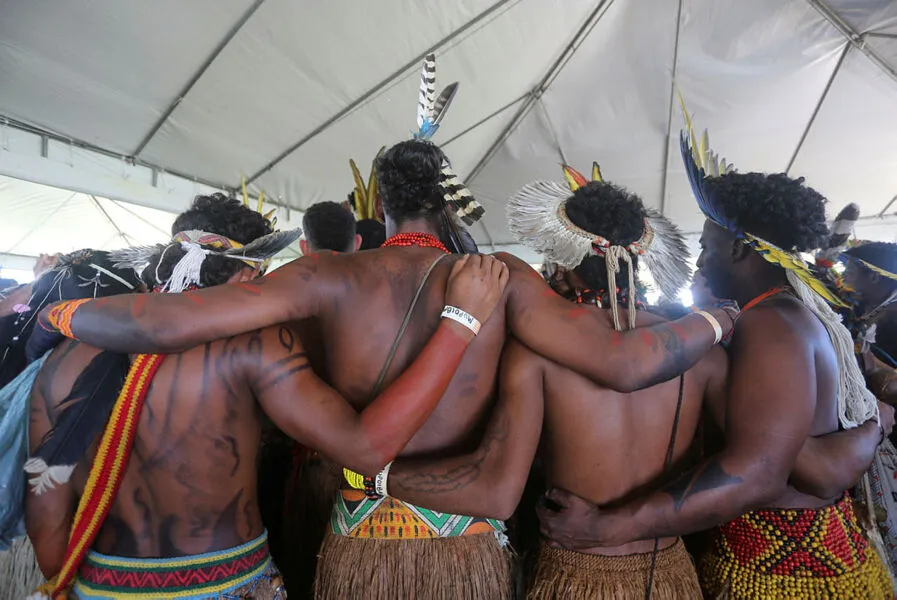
(575, 179)
(245, 195)
(360, 192)
(596, 172)
(261, 202)
(372, 186)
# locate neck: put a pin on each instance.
(418, 225)
(751, 287)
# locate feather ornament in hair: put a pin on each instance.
(84, 413)
(841, 230)
(430, 109)
(535, 218)
(458, 198)
(427, 91)
(267, 245)
(667, 256)
(360, 192)
(596, 172)
(793, 264)
(243, 187)
(575, 179)
(136, 257)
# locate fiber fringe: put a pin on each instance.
(574, 575)
(312, 492)
(469, 567)
(19, 572)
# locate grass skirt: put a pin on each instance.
(574, 575)
(468, 567)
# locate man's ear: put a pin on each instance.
(357, 242)
(303, 246)
(739, 250)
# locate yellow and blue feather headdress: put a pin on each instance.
(701, 163)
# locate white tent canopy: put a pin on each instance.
(150, 103)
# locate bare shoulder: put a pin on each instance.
(518, 358)
(781, 319)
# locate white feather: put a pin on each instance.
(46, 478)
(533, 218)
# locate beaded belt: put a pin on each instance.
(197, 576)
(356, 515)
(795, 553)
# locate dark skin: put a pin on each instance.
(345, 292)
(190, 486)
(782, 389)
(602, 445)
(873, 290)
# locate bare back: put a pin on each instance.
(361, 326)
(190, 484)
(607, 446)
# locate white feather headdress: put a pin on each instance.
(537, 217)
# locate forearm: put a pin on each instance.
(623, 361)
(393, 418)
(708, 496)
(485, 483)
(166, 323)
(830, 464)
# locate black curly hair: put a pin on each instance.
(778, 208)
(329, 226)
(880, 254)
(609, 211)
(408, 175)
(213, 214)
(372, 232)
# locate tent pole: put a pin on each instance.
(666, 147)
(376, 89)
(121, 233)
(825, 91)
(196, 76)
(581, 34)
(489, 117)
(855, 39)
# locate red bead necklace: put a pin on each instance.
(423, 240)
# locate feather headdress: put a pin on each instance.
(430, 112)
(855, 403)
(701, 163)
(538, 218)
(197, 246)
(430, 109)
(841, 231)
(366, 201)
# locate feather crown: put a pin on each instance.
(538, 218)
(701, 164)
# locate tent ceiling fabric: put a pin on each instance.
(775, 81)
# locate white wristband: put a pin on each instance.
(380, 481)
(717, 329)
(459, 316)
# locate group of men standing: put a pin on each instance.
(442, 382)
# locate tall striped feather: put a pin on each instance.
(440, 107)
(427, 92)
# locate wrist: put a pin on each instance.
(461, 317)
(457, 330)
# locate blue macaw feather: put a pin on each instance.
(426, 131)
(704, 198)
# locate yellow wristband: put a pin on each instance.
(355, 480)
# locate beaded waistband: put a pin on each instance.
(356, 515)
(806, 553)
(197, 576)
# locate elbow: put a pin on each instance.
(626, 377)
(761, 488)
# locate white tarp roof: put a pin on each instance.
(149, 102)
